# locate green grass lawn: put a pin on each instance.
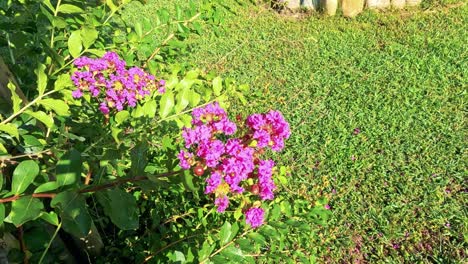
(377, 109)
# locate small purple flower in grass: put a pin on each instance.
(254, 217)
(356, 131)
(327, 206)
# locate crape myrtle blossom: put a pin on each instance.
(114, 85)
(234, 163)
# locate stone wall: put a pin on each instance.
(350, 8)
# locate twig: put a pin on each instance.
(168, 39)
(92, 188)
(50, 242)
(168, 246)
(225, 246)
(88, 177)
(27, 106)
(124, 180)
(24, 155)
(22, 244)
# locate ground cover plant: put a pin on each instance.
(377, 104)
(136, 139)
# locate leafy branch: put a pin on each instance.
(27, 106)
(96, 188)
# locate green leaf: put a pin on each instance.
(2, 214)
(23, 175)
(217, 85)
(121, 207)
(47, 187)
(74, 44)
(115, 131)
(121, 116)
(73, 212)
(111, 5)
(88, 36)
(58, 106)
(51, 218)
(41, 116)
(24, 209)
(15, 99)
(11, 129)
(139, 159)
(225, 233)
(139, 29)
(150, 108)
(182, 100)
(257, 238)
(194, 98)
(63, 81)
(3, 150)
(41, 79)
(188, 181)
(69, 9)
(68, 170)
(205, 251)
(233, 254)
(234, 230)
(166, 104)
(96, 52)
(49, 5)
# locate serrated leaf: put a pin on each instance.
(47, 187)
(41, 79)
(68, 170)
(166, 104)
(74, 44)
(10, 129)
(63, 81)
(15, 99)
(121, 116)
(69, 9)
(41, 116)
(73, 212)
(58, 106)
(225, 234)
(23, 175)
(217, 85)
(121, 207)
(24, 209)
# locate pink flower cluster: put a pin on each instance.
(108, 79)
(229, 162)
